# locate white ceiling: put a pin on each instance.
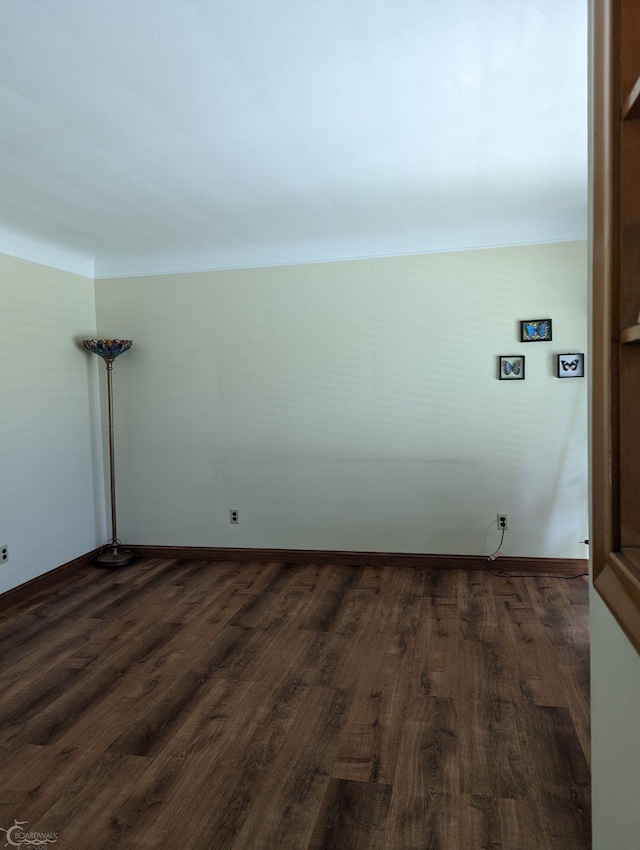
(142, 136)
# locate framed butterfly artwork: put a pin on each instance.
(535, 330)
(570, 366)
(511, 367)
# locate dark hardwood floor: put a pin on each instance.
(200, 705)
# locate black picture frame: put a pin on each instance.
(511, 367)
(570, 365)
(536, 330)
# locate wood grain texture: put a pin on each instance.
(556, 566)
(615, 404)
(42, 582)
(353, 816)
(630, 335)
(204, 704)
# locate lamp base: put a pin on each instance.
(115, 557)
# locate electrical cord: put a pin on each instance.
(494, 555)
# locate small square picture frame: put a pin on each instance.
(536, 330)
(511, 367)
(570, 365)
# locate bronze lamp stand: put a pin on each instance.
(111, 553)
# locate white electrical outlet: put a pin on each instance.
(502, 522)
(4, 554)
(234, 517)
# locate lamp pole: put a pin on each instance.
(111, 554)
(112, 465)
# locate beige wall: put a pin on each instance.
(51, 482)
(353, 405)
(615, 704)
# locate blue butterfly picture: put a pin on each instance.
(511, 367)
(535, 330)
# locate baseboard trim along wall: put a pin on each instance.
(546, 566)
(535, 566)
(45, 581)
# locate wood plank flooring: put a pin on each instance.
(222, 706)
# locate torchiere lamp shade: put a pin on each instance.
(107, 348)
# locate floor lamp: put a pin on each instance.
(111, 555)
